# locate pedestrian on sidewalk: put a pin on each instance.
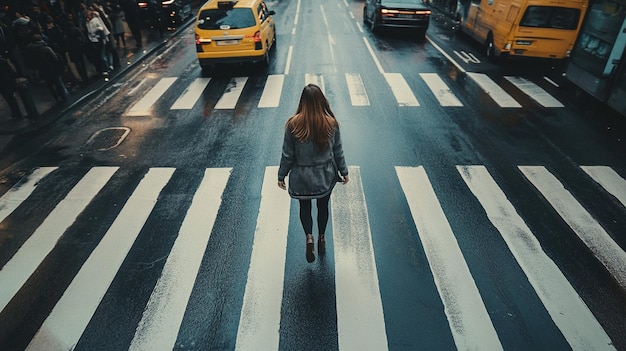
(75, 43)
(50, 66)
(131, 14)
(312, 156)
(97, 34)
(111, 57)
(10, 83)
(116, 15)
(8, 86)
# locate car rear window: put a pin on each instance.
(233, 18)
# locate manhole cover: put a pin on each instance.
(107, 138)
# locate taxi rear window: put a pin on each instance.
(233, 18)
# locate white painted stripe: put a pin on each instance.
(161, 320)
(371, 51)
(13, 198)
(191, 94)
(440, 89)
(568, 311)
(15, 273)
(360, 319)
(401, 89)
(582, 223)
(492, 89)
(534, 91)
(358, 95)
(609, 180)
(468, 318)
(317, 79)
(289, 55)
(143, 106)
(259, 322)
(272, 90)
(231, 95)
(69, 318)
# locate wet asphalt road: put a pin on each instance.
(325, 42)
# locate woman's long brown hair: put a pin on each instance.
(314, 120)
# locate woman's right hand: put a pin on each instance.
(345, 180)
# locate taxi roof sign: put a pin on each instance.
(226, 3)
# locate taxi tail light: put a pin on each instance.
(258, 44)
(197, 39)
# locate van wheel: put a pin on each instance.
(365, 20)
(490, 49)
(206, 70)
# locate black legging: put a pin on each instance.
(322, 215)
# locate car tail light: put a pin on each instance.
(257, 37)
(142, 4)
(197, 39)
(167, 2)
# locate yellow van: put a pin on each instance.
(234, 31)
(524, 28)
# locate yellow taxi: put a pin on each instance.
(234, 31)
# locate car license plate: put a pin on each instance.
(523, 42)
(402, 15)
(227, 42)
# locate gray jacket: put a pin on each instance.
(308, 167)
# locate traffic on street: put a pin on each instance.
(485, 208)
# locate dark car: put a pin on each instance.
(165, 13)
(411, 14)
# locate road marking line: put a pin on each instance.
(231, 95)
(492, 89)
(471, 326)
(289, 55)
(272, 90)
(604, 248)
(401, 90)
(317, 79)
(358, 95)
(369, 48)
(70, 316)
(534, 91)
(22, 265)
(360, 318)
(440, 89)
(191, 94)
(609, 180)
(163, 315)
(568, 311)
(21, 191)
(259, 322)
(143, 106)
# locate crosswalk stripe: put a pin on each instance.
(401, 90)
(609, 180)
(272, 91)
(534, 91)
(358, 95)
(143, 106)
(492, 89)
(191, 94)
(259, 321)
(70, 316)
(164, 312)
(360, 319)
(606, 250)
(317, 79)
(21, 191)
(22, 265)
(468, 318)
(231, 95)
(568, 311)
(441, 90)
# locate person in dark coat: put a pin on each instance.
(49, 65)
(8, 75)
(312, 156)
(131, 14)
(75, 42)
